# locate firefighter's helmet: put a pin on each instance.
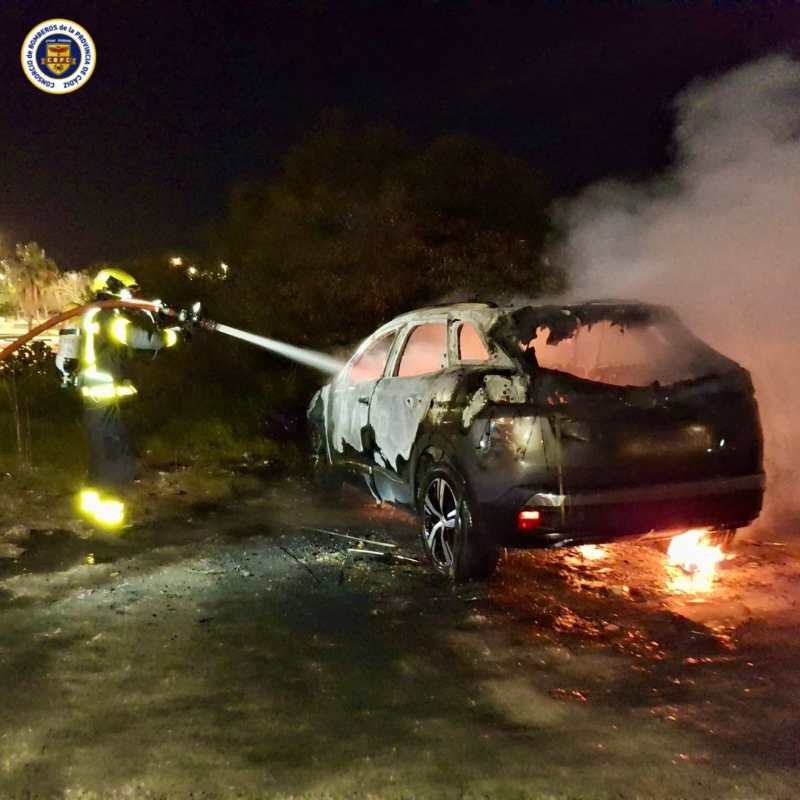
(113, 282)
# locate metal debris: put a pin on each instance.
(380, 555)
(359, 539)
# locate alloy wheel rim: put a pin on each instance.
(440, 519)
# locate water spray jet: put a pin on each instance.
(302, 355)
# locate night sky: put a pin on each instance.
(189, 97)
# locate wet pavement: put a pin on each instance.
(237, 653)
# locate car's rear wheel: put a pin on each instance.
(453, 542)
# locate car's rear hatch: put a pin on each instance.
(604, 435)
(642, 422)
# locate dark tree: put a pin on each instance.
(360, 226)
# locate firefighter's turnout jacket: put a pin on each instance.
(108, 337)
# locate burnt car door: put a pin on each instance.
(349, 435)
(403, 399)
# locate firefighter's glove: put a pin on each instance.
(163, 314)
(190, 317)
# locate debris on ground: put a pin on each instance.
(10, 550)
(360, 553)
(360, 539)
(216, 629)
(569, 694)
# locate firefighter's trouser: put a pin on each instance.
(112, 463)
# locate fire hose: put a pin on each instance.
(141, 305)
(311, 358)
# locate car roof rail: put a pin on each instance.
(610, 301)
(470, 301)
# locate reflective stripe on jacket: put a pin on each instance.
(108, 337)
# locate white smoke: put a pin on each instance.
(718, 238)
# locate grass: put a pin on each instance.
(184, 461)
(186, 423)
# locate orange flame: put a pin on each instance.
(693, 553)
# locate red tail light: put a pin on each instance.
(528, 519)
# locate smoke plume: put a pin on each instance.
(718, 238)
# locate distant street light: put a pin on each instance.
(176, 261)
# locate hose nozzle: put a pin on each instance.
(192, 315)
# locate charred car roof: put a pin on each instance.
(562, 319)
(484, 313)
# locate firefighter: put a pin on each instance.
(108, 338)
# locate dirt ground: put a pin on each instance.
(234, 652)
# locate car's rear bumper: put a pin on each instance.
(609, 514)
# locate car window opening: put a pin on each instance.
(425, 350)
(470, 344)
(370, 364)
(612, 353)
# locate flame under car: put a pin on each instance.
(543, 426)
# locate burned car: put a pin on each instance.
(543, 425)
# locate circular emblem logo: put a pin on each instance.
(58, 56)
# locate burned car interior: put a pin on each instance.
(619, 345)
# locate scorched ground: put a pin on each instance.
(223, 657)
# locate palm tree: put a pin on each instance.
(31, 275)
(69, 288)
